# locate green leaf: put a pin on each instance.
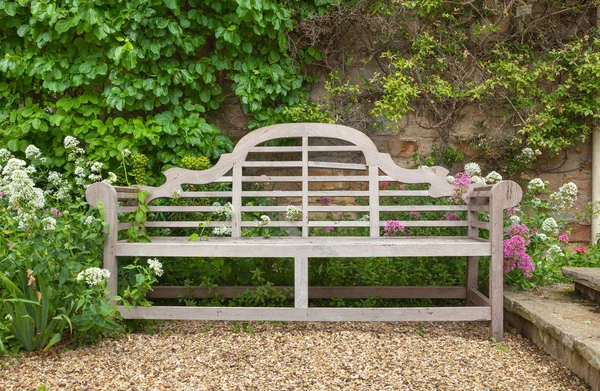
(171, 4)
(62, 25)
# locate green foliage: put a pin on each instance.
(140, 165)
(142, 76)
(195, 163)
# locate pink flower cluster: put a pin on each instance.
(515, 256)
(327, 201)
(564, 238)
(394, 228)
(580, 250)
(519, 230)
(384, 185)
(415, 215)
(461, 185)
(451, 217)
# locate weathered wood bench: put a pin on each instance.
(301, 177)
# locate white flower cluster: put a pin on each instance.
(365, 218)
(450, 179)
(472, 169)
(93, 276)
(515, 219)
(224, 211)
(112, 178)
(493, 177)
(221, 231)
(32, 152)
(565, 196)
(543, 237)
(264, 220)
(555, 249)
(89, 220)
(125, 153)
(22, 193)
(9, 317)
(5, 154)
(71, 142)
(48, 223)
(477, 179)
(527, 155)
(61, 185)
(549, 225)
(536, 185)
(156, 267)
(292, 213)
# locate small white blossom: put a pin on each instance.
(555, 249)
(472, 169)
(9, 317)
(493, 177)
(112, 178)
(422, 166)
(5, 154)
(125, 153)
(79, 171)
(292, 213)
(477, 179)
(536, 185)
(89, 220)
(95, 177)
(49, 224)
(93, 276)
(221, 231)
(225, 211)
(71, 142)
(155, 266)
(515, 219)
(365, 218)
(543, 237)
(96, 167)
(450, 179)
(527, 155)
(565, 196)
(32, 152)
(264, 220)
(216, 203)
(12, 165)
(176, 194)
(549, 225)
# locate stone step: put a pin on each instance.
(586, 279)
(565, 326)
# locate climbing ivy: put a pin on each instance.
(142, 75)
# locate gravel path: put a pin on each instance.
(297, 356)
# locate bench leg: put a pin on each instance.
(301, 282)
(472, 276)
(110, 264)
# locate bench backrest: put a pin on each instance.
(329, 162)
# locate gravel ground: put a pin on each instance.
(297, 356)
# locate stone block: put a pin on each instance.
(398, 147)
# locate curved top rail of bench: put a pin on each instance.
(435, 176)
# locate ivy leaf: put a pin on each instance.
(171, 4)
(62, 25)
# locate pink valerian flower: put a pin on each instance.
(461, 184)
(56, 212)
(580, 250)
(535, 231)
(564, 238)
(394, 228)
(451, 217)
(327, 201)
(1, 194)
(511, 212)
(515, 256)
(519, 230)
(329, 229)
(400, 186)
(384, 185)
(415, 215)
(9, 244)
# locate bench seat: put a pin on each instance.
(311, 247)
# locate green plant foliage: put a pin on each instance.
(141, 75)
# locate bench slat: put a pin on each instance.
(312, 148)
(426, 314)
(480, 224)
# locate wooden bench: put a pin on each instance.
(301, 175)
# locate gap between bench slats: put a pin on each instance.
(317, 292)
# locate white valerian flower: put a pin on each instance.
(225, 211)
(21, 191)
(493, 177)
(264, 220)
(74, 155)
(12, 165)
(292, 213)
(565, 196)
(96, 167)
(477, 179)
(472, 169)
(95, 177)
(112, 178)
(71, 142)
(89, 220)
(527, 155)
(555, 249)
(155, 266)
(422, 166)
(450, 179)
(515, 219)
(543, 237)
(216, 203)
(536, 185)
(48, 223)
(221, 231)
(9, 317)
(125, 153)
(5, 154)
(93, 276)
(79, 171)
(32, 152)
(176, 194)
(365, 218)
(549, 225)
